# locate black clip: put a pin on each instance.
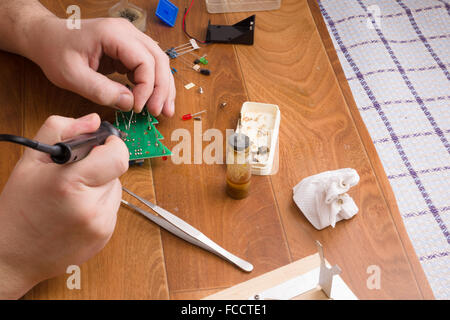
(239, 33)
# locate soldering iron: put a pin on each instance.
(71, 150)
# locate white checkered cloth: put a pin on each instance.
(396, 58)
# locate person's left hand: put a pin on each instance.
(77, 60)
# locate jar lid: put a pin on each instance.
(239, 141)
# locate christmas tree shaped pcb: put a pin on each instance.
(143, 139)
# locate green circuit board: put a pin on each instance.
(143, 139)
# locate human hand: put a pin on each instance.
(77, 60)
(53, 216)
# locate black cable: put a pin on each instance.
(52, 150)
(183, 26)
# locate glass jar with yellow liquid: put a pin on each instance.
(239, 171)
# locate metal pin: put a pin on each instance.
(131, 117)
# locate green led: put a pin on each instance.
(203, 60)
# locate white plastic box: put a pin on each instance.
(220, 6)
(261, 123)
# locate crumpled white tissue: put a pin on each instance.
(323, 199)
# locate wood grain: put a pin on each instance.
(374, 159)
(292, 64)
(193, 294)
(11, 117)
(318, 133)
(196, 192)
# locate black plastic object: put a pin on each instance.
(239, 33)
(79, 147)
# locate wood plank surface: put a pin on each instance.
(11, 117)
(377, 166)
(318, 133)
(291, 64)
(249, 228)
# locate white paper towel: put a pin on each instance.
(323, 199)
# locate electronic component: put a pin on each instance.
(195, 67)
(201, 60)
(175, 52)
(143, 139)
(239, 33)
(189, 116)
(190, 85)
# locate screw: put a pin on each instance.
(223, 104)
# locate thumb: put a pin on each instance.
(101, 90)
(56, 129)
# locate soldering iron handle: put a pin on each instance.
(79, 147)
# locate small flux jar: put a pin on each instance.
(239, 171)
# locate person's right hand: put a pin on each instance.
(53, 216)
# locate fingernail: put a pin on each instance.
(125, 101)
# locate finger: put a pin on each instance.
(108, 196)
(161, 91)
(56, 129)
(169, 106)
(103, 164)
(134, 56)
(100, 89)
(143, 77)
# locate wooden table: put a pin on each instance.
(292, 64)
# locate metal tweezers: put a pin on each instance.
(185, 231)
